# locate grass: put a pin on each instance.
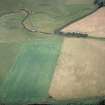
(28, 59)
(29, 78)
(8, 54)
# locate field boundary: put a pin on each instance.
(57, 31)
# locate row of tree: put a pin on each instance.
(100, 3)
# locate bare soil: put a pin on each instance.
(80, 72)
(93, 24)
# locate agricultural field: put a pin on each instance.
(28, 77)
(80, 70)
(93, 24)
(30, 48)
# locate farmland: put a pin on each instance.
(29, 77)
(28, 59)
(80, 70)
(93, 24)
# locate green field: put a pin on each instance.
(29, 77)
(28, 59)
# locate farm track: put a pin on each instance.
(28, 13)
(56, 32)
(62, 27)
